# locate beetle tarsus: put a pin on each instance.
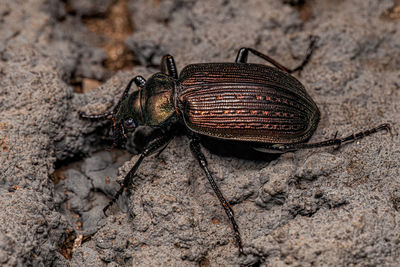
(241, 252)
(313, 41)
(338, 142)
(107, 206)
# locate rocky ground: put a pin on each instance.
(312, 207)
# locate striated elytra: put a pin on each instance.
(263, 107)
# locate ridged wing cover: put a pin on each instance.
(247, 102)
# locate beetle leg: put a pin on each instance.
(138, 80)
(168, 66)
(335, 141)
(195, 148)
(242, 55)
(244, 52)
(163, 148)
(310, 49)
(152, 147)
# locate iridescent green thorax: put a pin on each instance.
(157, 99)
(151, 105)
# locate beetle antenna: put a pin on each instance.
(110, 114)
(124, 95)
(97, 117)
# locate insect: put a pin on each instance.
(263, 107)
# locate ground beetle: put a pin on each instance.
(262, 106)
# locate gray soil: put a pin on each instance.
(308, 208)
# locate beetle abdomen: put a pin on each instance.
(247, 102)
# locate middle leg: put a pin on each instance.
(195, 148)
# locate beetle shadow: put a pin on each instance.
(225, 148)
(238, 149)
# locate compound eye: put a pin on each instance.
(130, 123)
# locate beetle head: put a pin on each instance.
(127, 115)
(150, 105)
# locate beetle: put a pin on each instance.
(263, 107)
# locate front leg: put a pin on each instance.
(159, 142)
(168, 66)
(195, 147)
(138, 80)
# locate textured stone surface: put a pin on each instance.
(313, 207)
